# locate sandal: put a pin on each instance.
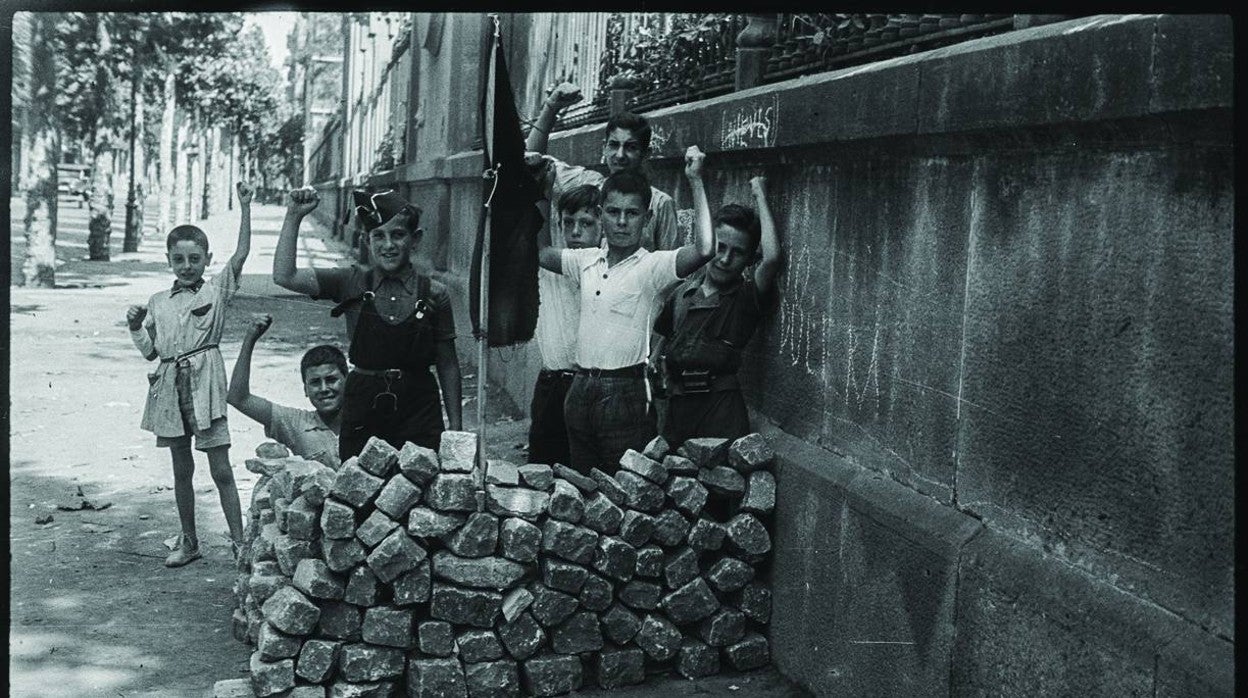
(186, 552)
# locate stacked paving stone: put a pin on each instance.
(388, 577)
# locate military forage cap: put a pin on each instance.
(374, 210)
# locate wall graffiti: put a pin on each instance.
(754, 124)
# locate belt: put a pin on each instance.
(679, 384)
(553, 373)
(188, 354)
(391, 373)
(634, 371)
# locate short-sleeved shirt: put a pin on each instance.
(184, 319)
(721, 323)
(618, 304)
(558, 320)
(395, 296)
(304, 433)
(659, 233)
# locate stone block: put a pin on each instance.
(522, 637)
(697, 660)
(342, 555)
(563, 576)
(657, 449)
(726, 627)
(750, 453)
(271, 678)
(452, 492)
(552, 675)
(436, 678)
(395, 555)
(755, 602)
(427, 523)
(538, 476)
(289, 551)
(578, 634)
(747, 534)
(620, 667)
(262, 586)
(722, 481)
(273, 644)
(478, 537)
(500, 472)
(760, 493)
(388, 626)
(496, 679)
(566, 502)
(706, 453)
(478, 646)
(643, 495)
(496, 573)
(398, 497)
(457, 451)
(609, 488)
(706, 535)
(636, 528)
(648, 468)
(615, 558)
(363, 689)
(233, 688)
(317, 660)
(281, 505)
(670, 528)
(515, 603)
(687, 495)
(436, 638)
(377, 457)
(640, 595)
(361, 662)
(414, 586)
(650, 561)
(569, 541)
(620, 624)
(519, 540)
(355, 486)
(302, 519)
(528, 504)
(585, 484)
(596, 593)
(550, 607)
(418, 464)
(679, 465)
(337, 520)
(658, 638)
(291, 612)
(602, 515)
(375, 529)
(314, 578)
(306, 691)
(475, 607)
(729, 574)
(361, 587)
(238, 625)
(339, 621)
(692, 602)
(272, 449)
(754, 652)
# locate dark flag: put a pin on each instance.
(512, 216)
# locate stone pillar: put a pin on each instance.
(623, 89)
(753, 47)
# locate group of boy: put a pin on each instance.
(609, 269)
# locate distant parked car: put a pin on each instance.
(74, 182)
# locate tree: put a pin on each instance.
(42, 151)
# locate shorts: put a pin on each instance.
(217, 433)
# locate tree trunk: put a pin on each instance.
(181, 175)
(43, 151)
(100, 224)
(167, 200)
(229, 186)
(208, 141)
(134, 212)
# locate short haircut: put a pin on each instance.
(742, 218)
(633, 123)
(586, 196)
(323, 355)
(628, 183)
(186, 232)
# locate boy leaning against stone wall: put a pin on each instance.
(186, 395)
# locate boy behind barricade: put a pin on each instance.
(399, 322)
(709, 319)
(558, 321)
(187, 391)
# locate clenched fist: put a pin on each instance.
(694, 157)
(135, 315)
(301, 202)
(245, 193)
(259, 325)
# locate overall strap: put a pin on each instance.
(351, 302)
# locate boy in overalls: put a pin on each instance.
(399, 322)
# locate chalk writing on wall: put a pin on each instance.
(801, 320)
(754, 124)
(661, 139)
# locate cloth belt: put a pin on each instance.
(188, 354)
(391, 373)
(715, 383)
(548, 374)
(634, 371)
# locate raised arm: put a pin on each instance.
(239, 395)
(690, 257)
(243, 248)
(144, 338)
(299, 203)
(451, 383)
(768, 243)
(563, 95)
(548, 257)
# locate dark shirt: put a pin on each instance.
(395, 297)
(709, 332)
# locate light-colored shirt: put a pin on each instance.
(304, 433)
(558, 320)
(618, 304)
(184, 320)
(659, 233)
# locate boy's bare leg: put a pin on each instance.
(184, 489)
(223, 476)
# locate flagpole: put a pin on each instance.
(484, 300)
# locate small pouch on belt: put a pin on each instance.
(693, 382)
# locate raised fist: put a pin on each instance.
(135, 315)
(245, 193)
(694, 157)
(563, 95)
(259, 325)
(758, 184)
(301, 202)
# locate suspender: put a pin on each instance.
(188, 354)
(423, 285)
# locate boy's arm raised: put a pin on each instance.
(243, 248)
(299, 203)
(239, 395)
(563, 95)
(548, 257)
(690, 257)
(768, 243)
(144, 338)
